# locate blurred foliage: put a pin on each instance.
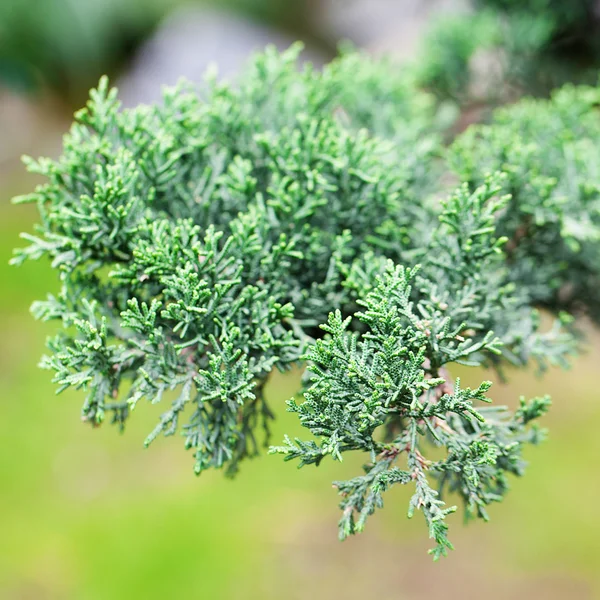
(68, 44)
(445, 56)
(293, 16)
(505, 48)
(549, 152)
(570, 15)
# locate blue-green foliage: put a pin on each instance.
(201, 242)
(549, 152)
(458, 307)
(204, 235)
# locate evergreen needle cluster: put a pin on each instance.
(303, 216)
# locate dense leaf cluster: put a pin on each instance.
(458, 307)
(548, 151)
(296, 217)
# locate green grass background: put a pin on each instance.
(89, 514)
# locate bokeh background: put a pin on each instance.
(88, 514)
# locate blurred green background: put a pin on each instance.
(88, 514)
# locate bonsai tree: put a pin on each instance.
(320, 218)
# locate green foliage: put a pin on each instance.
(183, 232)
(504, 48)
(548, 150)
(450, 44)
(92, 37)
(203, 242)
(564, 14)
(392, 375)
(86, 38)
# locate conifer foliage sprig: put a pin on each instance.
(549, 152)
(295, 217)
(384, 389)
(198, 242)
